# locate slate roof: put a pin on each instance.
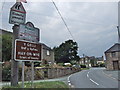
(114, 48)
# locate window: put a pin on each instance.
(48, 52)
(113, 54)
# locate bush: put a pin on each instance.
(6, 72)
(83, 66)
(61, 64)
(102, 65)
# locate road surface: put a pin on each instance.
(92, 78)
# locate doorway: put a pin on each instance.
(115, 65)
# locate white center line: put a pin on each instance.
(87, 75)
(91, 79)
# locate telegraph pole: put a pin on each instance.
(118, 34)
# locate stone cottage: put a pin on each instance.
(113, 57)
(47, 55)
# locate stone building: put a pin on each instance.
(100, 60)
(113, 57)
(47, 55)
(85, 61)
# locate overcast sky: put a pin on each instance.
(92, 24)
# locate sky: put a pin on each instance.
(92, 24)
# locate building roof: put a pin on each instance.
(114, 48)
(5, 32)
(46, 47)
(99, 58)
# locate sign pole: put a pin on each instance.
(32, 73)
(22, 74)
(14, 64)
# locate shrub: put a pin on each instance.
(83, 66)
(6, 72)
(102, 65)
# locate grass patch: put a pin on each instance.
(84, 68)
(53, 84)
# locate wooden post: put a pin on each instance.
(14, 64)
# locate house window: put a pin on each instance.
(48, 52)
(113, 54)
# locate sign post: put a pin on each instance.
(14, 64)
(17, 17)
(23, 74)
(23, 50)
(32, 79)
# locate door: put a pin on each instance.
(115, 65)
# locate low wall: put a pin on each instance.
(42, 73)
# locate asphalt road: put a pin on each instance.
(92, 78)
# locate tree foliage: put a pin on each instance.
(6, 47)
(66, 52)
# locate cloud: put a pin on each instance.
(92, 24)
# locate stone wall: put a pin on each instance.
(42, 73)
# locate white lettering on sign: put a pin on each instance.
(17, 17)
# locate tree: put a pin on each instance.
(66, 52)
(6, 47)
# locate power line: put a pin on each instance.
(63, 19)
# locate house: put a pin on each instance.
(93, 61)
(85, 61)
(100, 60)
(113, 57)
(47, 55)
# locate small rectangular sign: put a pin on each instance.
(27, 51)
(16, 17)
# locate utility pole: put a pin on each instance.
(118, 34)
(14, 64)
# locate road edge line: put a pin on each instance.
(109, 76)
(69, 82)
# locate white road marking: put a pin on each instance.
(68, 81)
(69, 84)
(91, 79)
(69, 78)
(87, 75)
(108, 75)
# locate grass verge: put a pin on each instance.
(52, 84)
(84, 68)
